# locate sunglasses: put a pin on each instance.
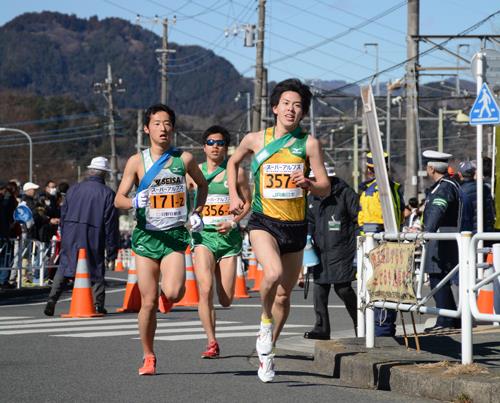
(211, 142)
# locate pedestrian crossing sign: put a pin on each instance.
(485, 109)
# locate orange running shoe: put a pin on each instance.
(148, 365)
(212, 350)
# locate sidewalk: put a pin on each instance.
(434, 372)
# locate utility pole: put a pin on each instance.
(106, 89)
(311, 116)
(411, 80)
(140, 132)
(259, 69)
(163, 52)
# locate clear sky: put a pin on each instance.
(309, 39)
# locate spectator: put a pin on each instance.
(370, 219)
(88, 220)
(444, 212)
(332, 222)
(8, 204)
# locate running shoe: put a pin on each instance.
(212, 351)
(264, 344)
(266, 367)
(148, 365)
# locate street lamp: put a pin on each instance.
(377, 87)
(457, 82)
(460, 117)
(249, 108)
(8, 129)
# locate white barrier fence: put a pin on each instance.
(470, 271)
(21, 254)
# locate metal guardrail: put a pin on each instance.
(24, 254)
(470, 270)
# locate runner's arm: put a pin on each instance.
(129, 179)
(199, 180)
(321, 185)
(245, 148)
(244, 193)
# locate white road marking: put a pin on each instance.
(63, 328)
(6, 318)
(292, 306)
(163, 331)
(219, 336)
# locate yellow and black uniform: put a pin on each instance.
(279, 206)
(370, 209)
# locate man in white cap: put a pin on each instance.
(89, 220)
(443, 212)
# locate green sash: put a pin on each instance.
(209, 177)
(273, 147)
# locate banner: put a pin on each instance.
(392, 278)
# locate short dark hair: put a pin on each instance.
(295, 85)
(50, 181)
(217, 129)
(63, 187)
(155, 109)
(413, 202)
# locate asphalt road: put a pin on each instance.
(53, 359)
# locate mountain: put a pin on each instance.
(50, 53)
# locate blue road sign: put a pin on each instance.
(485, 109)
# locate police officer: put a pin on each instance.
(370, 219)
(443, 212)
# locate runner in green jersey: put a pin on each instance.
(217, 247)
(160, 237)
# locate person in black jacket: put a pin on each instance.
(332, 223)
(446, 210)
(89, 220)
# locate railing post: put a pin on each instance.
(370, 312)
(464, 289)
(361, 286)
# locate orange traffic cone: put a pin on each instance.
(82, 303)
(485, 295)
(132, 299)
(258, 278)
(191, 297)
(119, 261)
(240, 290)
(252, 267)
(164, 305)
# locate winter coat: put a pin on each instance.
(469, 187)
(332, 222)
(446, 210)
(89, 220)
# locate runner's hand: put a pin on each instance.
(141, 199)
(236, 205)
(300, 180)
(196, 222)
(224, 227)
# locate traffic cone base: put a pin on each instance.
(240, 288)
(82, 303)
(191, 296)
(132, 298)
(258, 278)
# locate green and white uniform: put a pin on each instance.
(215, 211)
(160, 226)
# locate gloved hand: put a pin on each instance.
(196, 222)
(141, 199)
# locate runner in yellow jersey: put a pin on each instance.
(217, 247)
(283, 155)
(160, 237)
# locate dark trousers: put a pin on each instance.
(444, 299)
(321, 294)
(60, 284)
(385, 322)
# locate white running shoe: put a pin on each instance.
(266, 368)
(264, 344)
